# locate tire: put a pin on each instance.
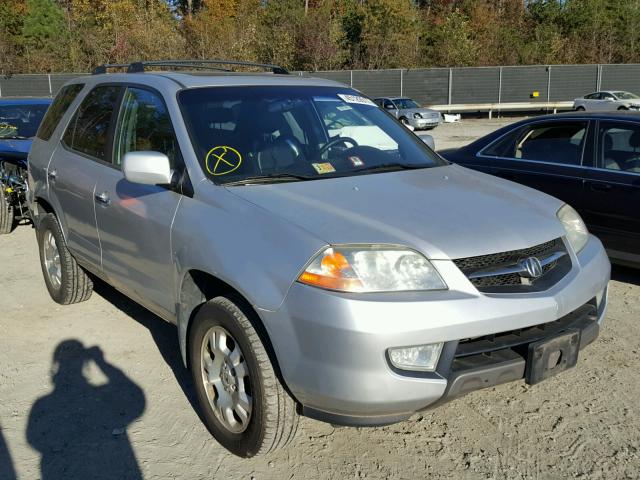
(622, 108)
(580, 109)
(6, 214)
(404, 121)
(271, 421)
(66, 281)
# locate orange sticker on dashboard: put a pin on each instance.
(222, 160)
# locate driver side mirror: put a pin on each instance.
(147, 168)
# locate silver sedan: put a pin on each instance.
(410, 113)
(607, 101)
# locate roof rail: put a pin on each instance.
(139, 67)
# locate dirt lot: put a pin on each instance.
(116, 402)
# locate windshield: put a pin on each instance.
(626, 95)
(20, 121)
(295, 133)
(404, 103)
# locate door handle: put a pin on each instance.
(601, 187)
(103, 198)
(52, 174)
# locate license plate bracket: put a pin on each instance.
(551, 356)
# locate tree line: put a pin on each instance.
(39, 36)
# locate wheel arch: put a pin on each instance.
(197, 288)
(44, 207)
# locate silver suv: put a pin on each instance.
(315, 255)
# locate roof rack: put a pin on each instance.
(139, 67)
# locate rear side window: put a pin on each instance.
(88, 131)
(57, 110)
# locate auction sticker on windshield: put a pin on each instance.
(356, 99)
(323, 167)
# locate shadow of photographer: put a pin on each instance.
(80, 429)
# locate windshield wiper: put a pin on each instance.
(391, 166)
(270, 178)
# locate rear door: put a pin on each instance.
(134, 220)
(546, 155)
(76, 164)
(612, 194)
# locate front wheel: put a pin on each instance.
(580, 109)
(622, 108)
(242, 401)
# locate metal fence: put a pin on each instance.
(433, 86)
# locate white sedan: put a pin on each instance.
(607, 101)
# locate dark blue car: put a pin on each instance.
(589, 160)
(19, 122)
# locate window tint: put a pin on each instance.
(619, 147)
(556, 143)
(88, 131)
(144, 126)
(57, 110)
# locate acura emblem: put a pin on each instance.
(532, 268)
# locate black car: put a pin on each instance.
(589, 160)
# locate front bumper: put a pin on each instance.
(419, 123)
(332, 347)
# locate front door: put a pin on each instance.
(134, 220)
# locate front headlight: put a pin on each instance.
(417, 115)
(577, 233)
(371, 268)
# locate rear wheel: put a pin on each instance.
(6, 214)
(580, 109)
(623, 108)
(66, 281)
(242, 401)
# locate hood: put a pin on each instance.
(445, 212)
(15, 146)
(425, 112)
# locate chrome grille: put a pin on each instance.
(500, 272)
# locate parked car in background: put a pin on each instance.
(589, 160)
(19, 121)
(410, 113)
(607, 101)
(315, 255)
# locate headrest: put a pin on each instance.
(634, 140)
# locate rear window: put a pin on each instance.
(57, 110)
(88, 131)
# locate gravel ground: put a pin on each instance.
(98, 391)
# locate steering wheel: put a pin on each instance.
(337, 141)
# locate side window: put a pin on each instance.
(556, 143)
(88, 131)
(57, 110)
(503, 147)
(388, 104)
(619, 147)
(607, 96)
(144, 125)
